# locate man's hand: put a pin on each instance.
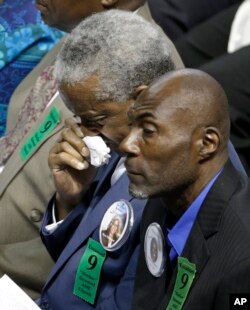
(71, 171)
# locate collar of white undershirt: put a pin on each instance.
(119, 170)
(52, 99)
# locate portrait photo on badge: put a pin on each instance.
(116, 225)
(154, 249)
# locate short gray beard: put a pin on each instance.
(138, 194)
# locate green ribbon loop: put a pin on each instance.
(185, 276)
(89, 271)
(48, 124)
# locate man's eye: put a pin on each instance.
(148, 131)
(101, 122)
(88, 123)
(96, 124)
(93, 123)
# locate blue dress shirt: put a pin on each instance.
(177, 236)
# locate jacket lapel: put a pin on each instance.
(206, 225)
(103, 178)
(15, 163)
(96, 213)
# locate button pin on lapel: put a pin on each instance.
(154, 246)
(116, 225)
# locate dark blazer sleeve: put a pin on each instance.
(55, 242)
(237, 281)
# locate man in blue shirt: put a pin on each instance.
(199, 212)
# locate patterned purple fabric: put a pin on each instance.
(24, 40)
(35, 103)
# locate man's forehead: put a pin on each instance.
(157, 106)
(147, 102)
(142, 109)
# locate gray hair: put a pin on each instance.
(121, 48)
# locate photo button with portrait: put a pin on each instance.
(116, 225)
(154, 249)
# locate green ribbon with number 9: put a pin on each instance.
(184, 280)
(88, 271)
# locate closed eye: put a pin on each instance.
(149, 130)
(100, 122)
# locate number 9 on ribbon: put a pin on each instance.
(88, 271)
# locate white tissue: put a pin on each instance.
(99, 152)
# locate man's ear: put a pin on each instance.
(139, 90)
(209, 143)
(107, 4)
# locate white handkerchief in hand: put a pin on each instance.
(99, 152)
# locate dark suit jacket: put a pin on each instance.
(178, 16)
(68, 243)
(219, 246)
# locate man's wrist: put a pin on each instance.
(64, 206)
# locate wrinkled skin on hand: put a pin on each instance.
(68, 162)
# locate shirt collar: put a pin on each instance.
(178, 234)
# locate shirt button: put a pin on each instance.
(36, 215)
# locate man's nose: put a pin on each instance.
(129, 145)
